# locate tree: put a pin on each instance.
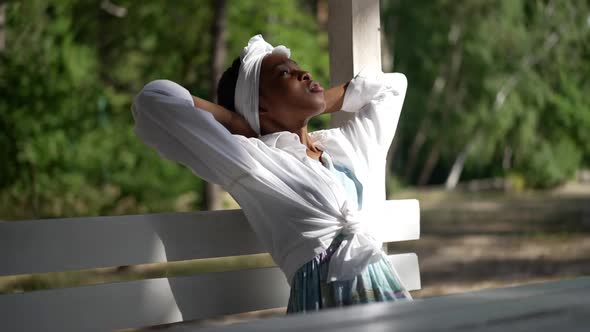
(485, 105)
(218, 51)
(68, 78)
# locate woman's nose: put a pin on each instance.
(304, 76)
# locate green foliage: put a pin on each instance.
(551, 163)
(515, 79)
(68, 75)
(70, 69)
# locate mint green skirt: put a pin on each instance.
(310, 291)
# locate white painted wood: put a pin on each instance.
(408, 270)
(354, 33)
(160, 301)
(49, 245)
(143, 303)
(401, 221)
(340, 41)
(559, 305)
(74, 243)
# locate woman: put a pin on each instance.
(311, 197)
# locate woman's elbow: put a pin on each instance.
(159, 92)
(166, 88)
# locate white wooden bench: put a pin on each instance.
(39, 246)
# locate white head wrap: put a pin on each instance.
(247, 86)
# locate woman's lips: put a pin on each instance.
(315, 87)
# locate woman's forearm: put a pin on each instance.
(334, 97)
(234, 122)
(220, 114)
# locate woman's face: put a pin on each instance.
(288, 95)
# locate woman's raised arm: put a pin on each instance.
(167, 119)
(234, 122)
(334, 98)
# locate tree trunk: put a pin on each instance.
(34, 194)
(387, 64)
(2, 26)
(218, 52)
(507, 158)
(431, 162)
(420, 137)
(389, 166)
(113, 9)
(322, 14)
(457, 168)
(447, 74)
(453, 96)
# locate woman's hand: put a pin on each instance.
(232, 121)
(334, 98)
(239, 126)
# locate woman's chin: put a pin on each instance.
(318, 104)
(322, 107)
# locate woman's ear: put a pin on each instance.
(263, 112)
(264, 118)
(262, 105)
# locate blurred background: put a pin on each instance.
(494, 137)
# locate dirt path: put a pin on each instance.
(480, 241)
(454, 264)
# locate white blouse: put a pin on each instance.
(295, 205)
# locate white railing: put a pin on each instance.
(50, 245)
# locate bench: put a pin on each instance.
(559, 305)
(51, 245)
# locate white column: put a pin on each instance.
(354, 33)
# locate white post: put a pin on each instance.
(354, 33)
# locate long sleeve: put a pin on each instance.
(376, 99)
(166, 120)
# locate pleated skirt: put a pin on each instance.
(311, 292)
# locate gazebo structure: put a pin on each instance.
(94, 242)
(36, 246)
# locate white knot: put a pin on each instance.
(351, 221)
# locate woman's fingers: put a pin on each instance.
(240, 126)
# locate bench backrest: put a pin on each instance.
(51, 245)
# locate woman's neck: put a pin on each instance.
(305, 139)
(312, 151)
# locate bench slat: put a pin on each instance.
(143, 303)
(407, 268)
(158, 301)
(561, 306)
(50, 245)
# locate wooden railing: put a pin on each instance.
(50, 245)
